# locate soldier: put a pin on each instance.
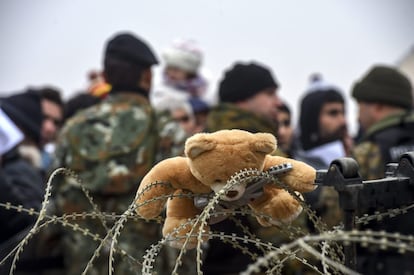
(248, 101)
(111, 146)
(385, 101)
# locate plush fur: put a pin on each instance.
(210, 160)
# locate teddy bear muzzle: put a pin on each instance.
(234, 193)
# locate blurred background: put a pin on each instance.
(58, 43)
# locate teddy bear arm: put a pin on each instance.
(302, 176)
(156, 186)
(161, 181)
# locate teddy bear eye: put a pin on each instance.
(217, 181)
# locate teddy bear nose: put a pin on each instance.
(231, 194)
(235, 193)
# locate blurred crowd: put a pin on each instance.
(123, 123)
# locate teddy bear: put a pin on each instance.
(210, 160)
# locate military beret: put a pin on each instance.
(127, 47)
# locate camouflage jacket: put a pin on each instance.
(384, 142)
(229, 116)
(110, 147)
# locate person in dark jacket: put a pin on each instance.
(20, 182)
(322, 126)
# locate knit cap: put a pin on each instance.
(384, 85)
(198, 105)
(243, 81)
(184, 54)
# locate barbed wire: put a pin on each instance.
(321, 252)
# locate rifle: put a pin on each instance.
(253, 191)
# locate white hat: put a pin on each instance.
(183, 54)
(317, 83)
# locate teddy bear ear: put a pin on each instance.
(198, 144)
(264, 143)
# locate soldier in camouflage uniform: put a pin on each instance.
(110, 147)
(248, 101)
(385, 101)
(385, 104)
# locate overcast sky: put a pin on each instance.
(58, 42)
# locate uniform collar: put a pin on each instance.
(135, 90)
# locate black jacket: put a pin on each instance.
(20, 184)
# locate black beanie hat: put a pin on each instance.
(244, 81)
(25, 110)
(384, 85)
(127, 47)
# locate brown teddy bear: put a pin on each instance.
(211, 159)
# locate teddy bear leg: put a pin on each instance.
(178, 223)
(276, 207)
